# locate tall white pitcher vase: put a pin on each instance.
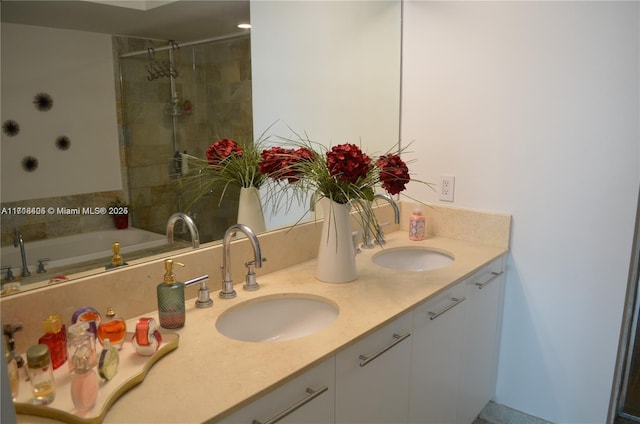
(336, 254)
(250, 210)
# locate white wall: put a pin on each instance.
(76, 69)
(534, 107)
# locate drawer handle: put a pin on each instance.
(455, 301)
(494, 275)
(312, 395)
(364, 360)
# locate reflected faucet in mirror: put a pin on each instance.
(368, 242)
(18, 241)
(227, 291)
(191, 225)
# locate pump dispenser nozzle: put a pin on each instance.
(169, 277)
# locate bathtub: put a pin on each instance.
(78, 248)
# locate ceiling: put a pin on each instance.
(181, 20)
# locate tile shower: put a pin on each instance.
(180, 99)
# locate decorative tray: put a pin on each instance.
(132, 370)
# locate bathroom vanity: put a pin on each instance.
(406, 346)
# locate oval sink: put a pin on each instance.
(277, 318)
(412, 259)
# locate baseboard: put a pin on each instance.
(500, 414)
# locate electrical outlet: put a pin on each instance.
(447, 185)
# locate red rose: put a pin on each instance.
(347, 162)
(279, 163)
(222, 149)
(394, 173)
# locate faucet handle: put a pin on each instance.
(355, 237)
(380, 234)
(250, 283)
(41, 262)
(10, 276)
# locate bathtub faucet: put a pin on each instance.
(19, 241)
(191, 225)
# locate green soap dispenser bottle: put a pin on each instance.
(171, 298)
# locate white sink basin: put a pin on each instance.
(277, 318)
(412, 259)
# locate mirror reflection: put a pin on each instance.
(133, 105)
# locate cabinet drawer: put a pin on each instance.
(437, 357)
(489, 274)
(308, 398)
(372, 376)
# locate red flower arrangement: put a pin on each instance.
(280, 163)
(394, 173)
(346, 162)
(227, 163)
(342, 173)
(220, 150)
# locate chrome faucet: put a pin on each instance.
(191, 225)
(367, 242)
(19, 241)
(227, 291)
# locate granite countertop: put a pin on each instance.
(209, 376)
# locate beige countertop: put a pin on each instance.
(210, 375)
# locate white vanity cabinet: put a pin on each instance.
(308, 398)
(455, 349)
(435, 364)
(484, 292)
(437, 357)
(372, 376)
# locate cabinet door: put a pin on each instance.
(372, 376)
(308, 398)
(482, 337)
(437, 357)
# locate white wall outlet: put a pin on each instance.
(447, 185)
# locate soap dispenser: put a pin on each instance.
(171, 298)
(417, 224)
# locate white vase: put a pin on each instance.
(250, 210)
(336, 253)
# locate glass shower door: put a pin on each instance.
(628, 396)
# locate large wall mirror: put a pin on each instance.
(97, 104)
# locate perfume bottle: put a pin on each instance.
(40, 374)
(146, 339)
(84, 380)
(90, 315)
(171, 298)
(109, 361)
(81, 339)
(112, 327)
(55, 337)
(12, 372)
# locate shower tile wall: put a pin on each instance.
(215, 79)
